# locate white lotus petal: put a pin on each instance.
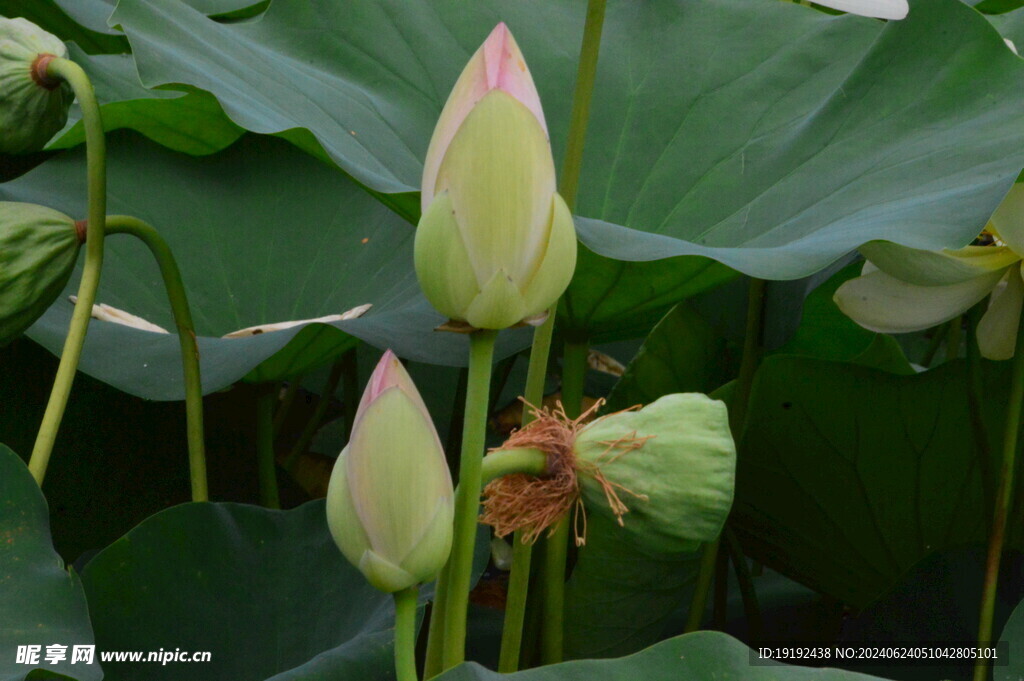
(937, 268)
(280, 326)
(885, 304)
(106, 313)
(880, 9)
(997, 330)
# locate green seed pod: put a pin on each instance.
(673, 463)
(38, 250)
(33, 107)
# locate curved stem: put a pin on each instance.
(147, 234)
(96, 169)
(265, 447)
(510, 461)
(405, 634)
(456, 579)
(1004, 499)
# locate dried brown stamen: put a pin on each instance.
(534, 504)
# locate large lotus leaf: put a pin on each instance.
(94, 14)
(192, 122)
(43, 604)
(267, 593)
(620, 595)
(816, 134)
(51, 18)
(847, 475)
(701, 656)
(263, 233)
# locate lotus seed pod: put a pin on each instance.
(672, 462)
(38, 250)
(390, 499)
(33, 106)
(496, 244)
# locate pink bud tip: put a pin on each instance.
(389, 373)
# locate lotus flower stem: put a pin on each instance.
(974, 403)
(96, 170)
(739, 401)
(317, 417)
(286, 404)
(519, 578)
(751, 609)
(405, 634)
(510, 461)
(953, 338)
(1004, 501)
(574, 371)
(453, 588)
(123, 224)
(265, 447)
(350, 387)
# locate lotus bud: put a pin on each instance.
(664, 473)
(390, 500)
(496, 244)
(38, 250)
(33, 106)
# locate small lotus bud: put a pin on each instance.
(496, 244)
(33, 106)
(38, 250)
(664, 473)
(389, 501)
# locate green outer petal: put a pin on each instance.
(499, 306)
(396, 474)
(431, 553)
(559, 263)
(687, 470)
(937, 268)
(1008, 220)
(442, 263)
(501, 177)
(342, 519)
(885, 304)
(383, 574)
(997, 330)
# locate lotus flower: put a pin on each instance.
(389, 501)
(906, 289)
(496, 243)
(33, 108)
(880, 9)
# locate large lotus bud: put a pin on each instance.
(33, 106)
(664, 473)
(389, 502)
(38, 250)
(496, 243)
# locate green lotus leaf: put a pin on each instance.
(817, 134)
(263, 233)
(44, 604)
